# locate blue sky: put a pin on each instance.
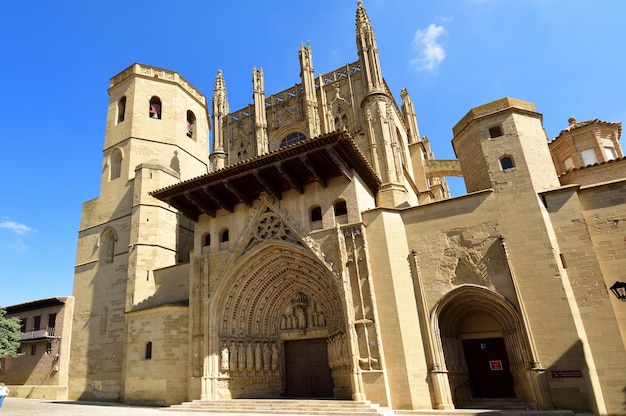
(56, 59)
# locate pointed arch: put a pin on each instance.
(448, 323)
(275, 293)
(292, 138)
(253, 296)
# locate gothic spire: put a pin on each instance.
(260, 117)
(220, 111)
(308, 83)
(368, 51)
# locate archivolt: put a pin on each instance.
(451, 309)
(251, 299)
(450, 312)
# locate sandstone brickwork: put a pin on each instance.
(315, 251)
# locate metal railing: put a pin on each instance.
(37, 333)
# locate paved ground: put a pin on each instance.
(32, 407)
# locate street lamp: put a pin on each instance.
(619, 290)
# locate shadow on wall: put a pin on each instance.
(569, 380)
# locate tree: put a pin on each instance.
(10, 330)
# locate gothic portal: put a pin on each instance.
(315, 250)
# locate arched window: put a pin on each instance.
(316, 214)
(206, 240)
(340, 208)
(116, 164)
(121, 109)
(148, 355)
(107, 245)
(155, 107)
(191, 123)
(292, 138)
(224, 236)
(506, 162)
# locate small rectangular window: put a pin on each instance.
(506, 163)
(568, 163)
(33, 349)
(52, 320)
(495, 131)
(37, 324)
(23, 322)
(589, 157)
(609, 153)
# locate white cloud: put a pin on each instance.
(15, 227)
(431, 52)
(17, 245)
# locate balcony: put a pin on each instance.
(37, 335)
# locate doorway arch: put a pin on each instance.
(472, 318)
(276, 298)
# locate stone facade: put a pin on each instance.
(42, 369)
(316, 250)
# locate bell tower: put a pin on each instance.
(156, 135)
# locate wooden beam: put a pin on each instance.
(290, 178)
(240, 195)
(219, 199)
(319, 177)
(188, 209)
(270, 188)
(345, 170)
(202, 203)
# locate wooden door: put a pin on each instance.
(307, 373)
(488, 366)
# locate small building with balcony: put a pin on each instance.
(41, 370)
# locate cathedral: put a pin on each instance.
(312, 249)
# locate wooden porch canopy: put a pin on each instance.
(292, 167)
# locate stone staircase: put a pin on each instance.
(295, 407)
(283, 407)
(496, 403)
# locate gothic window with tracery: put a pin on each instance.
(292, 138)
(242, 153)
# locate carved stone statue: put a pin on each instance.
(233, 356)
(241, 357)
(224, 359)
(258, 360)
(274, 357)
(250, 357)
(266, 357)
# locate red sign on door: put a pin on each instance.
(495, 365)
